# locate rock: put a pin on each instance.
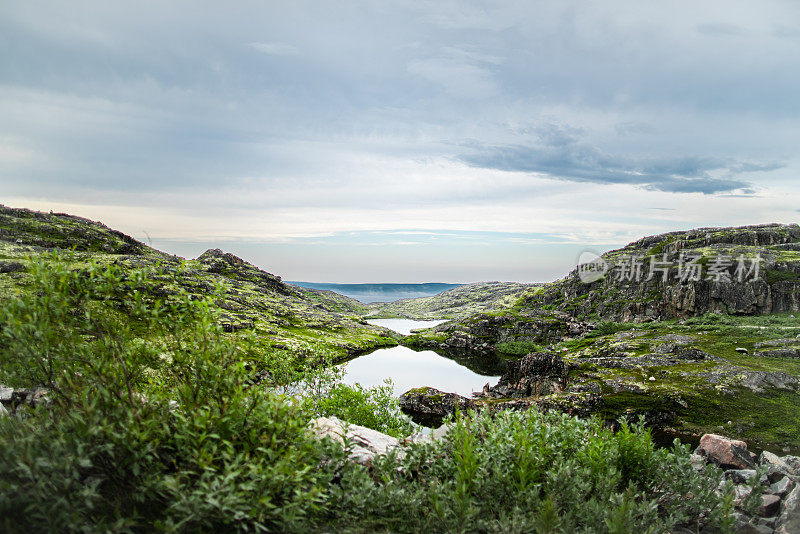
(365, 442)
(727, 452)
(698, 462)
(740, 493)
(740, 476)
(778, 467)
(11, 267)
(741, 350)
(782, 487)
(759, 381)
(749, 528)
(789, 518)
(428, 406)
(6, 394)
(767, 522)
(778, 353)
(440, 433)
(538, 373)
(770, 505)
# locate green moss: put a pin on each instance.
(772, 276)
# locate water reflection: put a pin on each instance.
(452, 372)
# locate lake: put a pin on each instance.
(369, 293)
(410, 369)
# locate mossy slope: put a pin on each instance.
(249, 301)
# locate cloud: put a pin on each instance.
(720, 29)
(275, 49)
(275, 119)
(560, 153)
(459, 77)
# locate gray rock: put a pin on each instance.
(759, 381)
(768, 522)
(779, 353)
(740, 493)
(789, 518)
(698, 462)
(782, 487)
(750, 528)
(6, 394)
(538, 373)
(741, 350)
(366, 443)
(777, 465)
(11, 267)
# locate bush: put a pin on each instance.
(518, 348)
(373, 407)
(529, 472)
(160, 431)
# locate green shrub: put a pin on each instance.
(373, 407)
(157, 432)
(606, 328)
(529, 472)
(517, 348)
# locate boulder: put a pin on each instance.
(6, 394)
(789, 518)
(538, 373)
(770, 505)
(428, 406)
(364, 443)
(780, 466)
(779, 353)
(727, 452)
(782, 487)
(740, 476)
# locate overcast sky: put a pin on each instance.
(402, 141)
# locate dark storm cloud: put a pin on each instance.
(561, 154)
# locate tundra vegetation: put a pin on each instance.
(149, 393)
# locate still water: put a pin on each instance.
(410, 369)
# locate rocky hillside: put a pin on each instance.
(457, 302)
(749, 270)
(247, 299)
(709, 343)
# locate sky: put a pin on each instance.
(402, 141)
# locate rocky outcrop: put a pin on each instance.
(539, 373)
(461, 301)
(67, 232)
(219, 262)
(634, 287)
(489, 334)
(429, 407)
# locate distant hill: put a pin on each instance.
(459, 301)
(369, 293)
(296, 321)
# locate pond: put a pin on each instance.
(408, 369)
